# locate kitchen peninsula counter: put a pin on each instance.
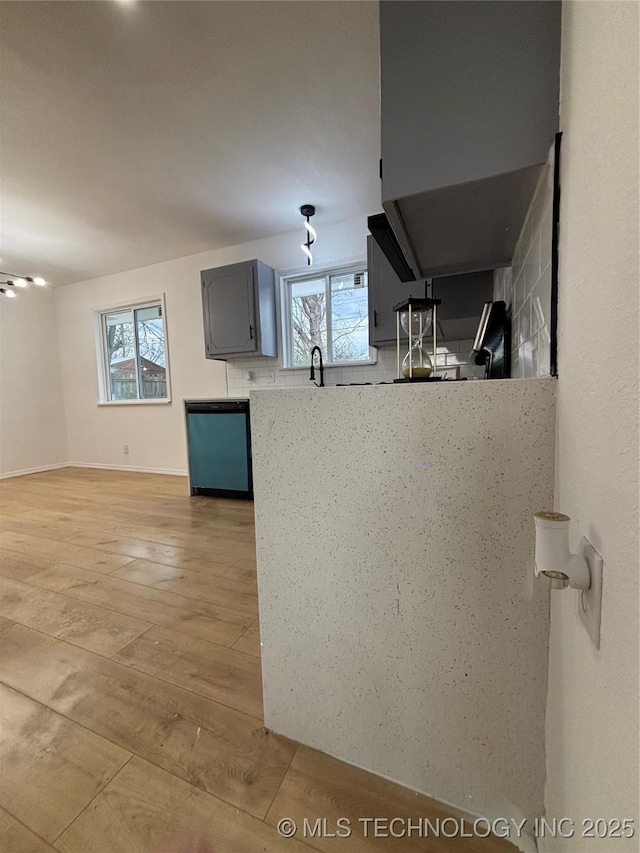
(402, 630)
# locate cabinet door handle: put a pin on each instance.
(250, 332)
(375, 318)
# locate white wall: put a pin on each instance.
(401, 626)
(32, 425)
(155, 433)
(592, 713)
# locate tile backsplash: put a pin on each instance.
(526, 286)
(268, 374)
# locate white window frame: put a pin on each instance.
(102, 359)
(284, 312)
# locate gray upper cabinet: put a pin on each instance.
(238, 303)
(385, 291)
(469, 108)
(463, 297)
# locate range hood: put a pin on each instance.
(383, 234)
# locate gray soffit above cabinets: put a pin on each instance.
(469, 109)
(464, 228)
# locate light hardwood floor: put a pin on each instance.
(130, 686)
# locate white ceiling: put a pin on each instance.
(138, 132)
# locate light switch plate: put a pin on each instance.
(590, 600)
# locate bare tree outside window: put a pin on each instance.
(308, 306)
(136, 353)
(330, 311)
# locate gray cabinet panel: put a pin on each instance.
(385, 291)
(229, 310)
(463, 297)
(238, 303)
(266, 297)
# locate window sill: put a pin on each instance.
(163, 402)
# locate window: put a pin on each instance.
(329, 310)
(134, 353)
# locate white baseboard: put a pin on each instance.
(25, 471)
(172, 471)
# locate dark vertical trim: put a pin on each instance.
(249, 452)
(554, 256)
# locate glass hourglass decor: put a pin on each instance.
(417, 317)
(416, 322)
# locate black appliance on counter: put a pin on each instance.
(492, 344)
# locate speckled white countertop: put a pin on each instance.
(401, 626)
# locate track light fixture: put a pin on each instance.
(308, 210)
(8, 282)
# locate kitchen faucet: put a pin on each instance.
(312, 374)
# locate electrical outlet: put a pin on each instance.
(251, 376)
(590, 600)
(126, 449)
